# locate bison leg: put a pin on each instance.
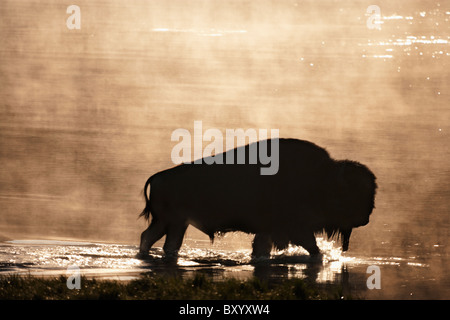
(174, 239)
(262, 245)
(153, 233)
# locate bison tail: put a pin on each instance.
(146, 212)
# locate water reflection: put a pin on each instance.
(119, 262)
(405, 40)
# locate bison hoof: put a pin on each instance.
(260, 259)
(171, 256)
(141, 255)
(316, 257)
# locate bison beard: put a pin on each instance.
(310, 193)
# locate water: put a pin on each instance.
(46, 258)
(87, 115)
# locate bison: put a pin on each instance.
(310, 193)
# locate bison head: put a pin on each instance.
(354, 199)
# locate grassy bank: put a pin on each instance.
(163, 287)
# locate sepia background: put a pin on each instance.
(86, 115)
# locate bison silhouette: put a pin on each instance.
(310, 193)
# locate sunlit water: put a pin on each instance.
(50, 258)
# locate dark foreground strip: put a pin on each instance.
(213, 309)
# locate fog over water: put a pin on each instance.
(86, 117)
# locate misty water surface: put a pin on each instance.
(86, 115)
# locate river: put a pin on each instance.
(86, 115)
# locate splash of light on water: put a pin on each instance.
(49, 258)
(214, 257)
(404, 42)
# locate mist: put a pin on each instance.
(87, 115)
